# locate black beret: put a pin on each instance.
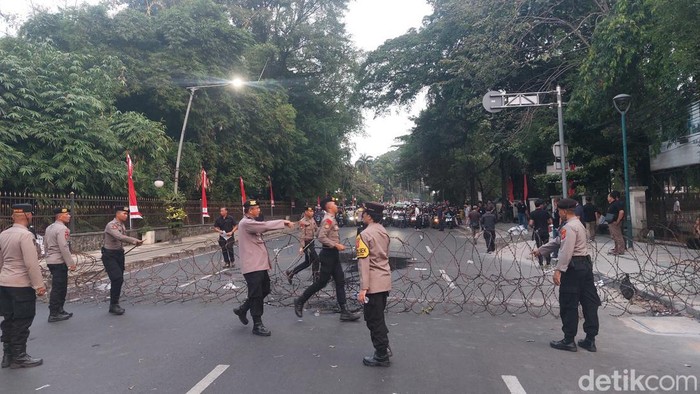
(250, 203)
(567, 203)
(56, 211)
(22, 208)
(374, 207)
(325, 201)
(121, 208)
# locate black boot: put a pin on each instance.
(564, 344)
(588, 344)
(260, 329)
(241, 313)
(377, 360)
(6, 355)
(298, 307)
(63, 311)
(115, 309)
(60, 316)
(346, 315)
(20, 358)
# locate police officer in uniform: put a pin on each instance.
(308, 228)
(225, 226)
(113, 256)
(59, 261)
(375, 281)
(20, 284)
(255, 262)
(330, 264)
(574, 274)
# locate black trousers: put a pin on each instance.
(227, 249)
(541, 237)
(374, 317)
(18, 306)
(310, 258)
(59, 287)
(490, 238)
(577, 286)
(258, 283)
(330, 268)
(113, 260)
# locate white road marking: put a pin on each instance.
(428, 248)
(42, 387)
(447, 279)
(513, 384)
(209, 379)
(420, 269)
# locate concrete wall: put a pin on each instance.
(86, 242)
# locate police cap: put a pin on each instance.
(374, 208)
(250, 203)
(22, 208)
(567, 203)
(56, 211)
(121, 208)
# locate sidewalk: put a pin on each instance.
(666, 272)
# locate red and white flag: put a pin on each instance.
(133, 208)
(272, 196)
(242, 192)
(204, 184)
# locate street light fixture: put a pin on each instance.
(236, 83)
(622, 104)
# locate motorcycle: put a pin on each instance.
(450, 220)
(340, 219)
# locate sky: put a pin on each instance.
(369, 22)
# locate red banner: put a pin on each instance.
(204, 184)
(272, 196)
(133, 208)
(242, 192)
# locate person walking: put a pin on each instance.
(113, 256)
(255, 262)
(488, 223)
(474, 222)
(330, 264)
(225, 225)
(375, 281)
(20, 284)
(308, 229)
(540, 221)
(59, 261)
(574, 276)
(589, 218)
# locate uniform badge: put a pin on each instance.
(361, 248)
(67, 234)
(563, 233)
(327, 223)
(114, 226)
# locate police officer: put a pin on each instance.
(225, 225)
(375, 281)
(330, 264)
(113, 255)
(574, 274)
(308, 228)
(20, 284)
(59, 261)
(255, 262)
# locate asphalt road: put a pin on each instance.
(163, 344)
(171, 348)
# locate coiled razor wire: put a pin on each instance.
(433, 272)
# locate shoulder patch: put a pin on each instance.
(563, 233)
(67, 234)
(114, 226)
(361, 248)
(327, 223)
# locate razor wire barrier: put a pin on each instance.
(433, 272)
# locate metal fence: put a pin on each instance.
(91, 213)
(668, 224)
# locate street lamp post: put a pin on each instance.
(622, 105)
(236, 83)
